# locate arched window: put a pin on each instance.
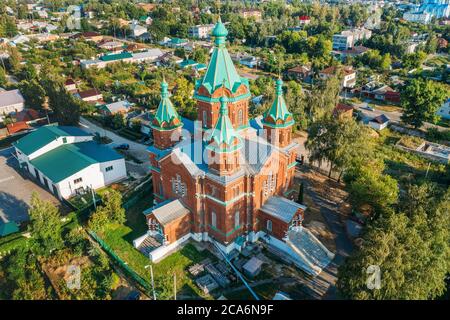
(236, 220)
(205, 118)
(269, 225)
(240, 117)
(213, 219)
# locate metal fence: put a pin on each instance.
(128, 271)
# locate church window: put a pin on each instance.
(236, 220)
(213, 219)
(269, 225)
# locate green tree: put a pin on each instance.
(420, 100)
(111, 210)
(65, 106)
(341, 142)
(3, 79)
(414, 60)
(45, 225)
(33, 93)
(410, 248)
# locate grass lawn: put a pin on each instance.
(408, 167)
(120, 239)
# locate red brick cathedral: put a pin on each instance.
(223, 179)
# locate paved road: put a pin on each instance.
(394, 116)
(138, 150)
(15, 190)
(324, 283)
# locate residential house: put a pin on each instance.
(201, 31)
(349, 76)
(67, 161)
(11, 102)
(70, 85)
(148, 56)
(348, 38)
(380, 91)
(112, 46)
(379, 123)
(304, 20)
(252, 13)
(91, 95)
(17, 127)
(342, 111)
(88, 36)
(137, 30)
(110, 109)
(444, 110)
(176, 43)
(250, 61)
(300, 73)
(30, 116)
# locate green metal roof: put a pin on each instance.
(117, 56)
(44, 135)
(278, 111)
(221, 70)
(219, 32)
(7, 228)
(224, 133)
(68, 159)
(177, 41)
(166, 113)
(188, 63)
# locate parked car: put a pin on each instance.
(123, 146)
(133, 295)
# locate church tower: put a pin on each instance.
(224, 144)
(278, 121)
(167, 124)
(222, 79)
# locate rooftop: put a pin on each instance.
(168, 211)
(44, 135)
(68, 159)
(10, 97)
(281, 208)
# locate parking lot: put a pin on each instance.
(15, 190)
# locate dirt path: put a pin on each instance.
(325, 199)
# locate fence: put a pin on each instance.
(128, 271)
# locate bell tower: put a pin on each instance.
(167, 124)
(278, 121)
(224, 144)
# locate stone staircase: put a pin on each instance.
(149, 244)
(312, 256)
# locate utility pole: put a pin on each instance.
(153, 283)
(428, 168)
(175, 286)
(93, 198)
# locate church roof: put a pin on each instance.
(278, 114)
(224, 133)
(221, 70)
(166, 116)
(168, 211)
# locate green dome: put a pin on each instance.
(219, 32)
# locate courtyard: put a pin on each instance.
(16, 189)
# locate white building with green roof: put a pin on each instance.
(66, 160)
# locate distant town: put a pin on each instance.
(224, 150)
